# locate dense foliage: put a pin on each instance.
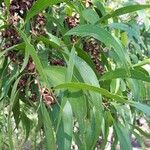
(74, 74)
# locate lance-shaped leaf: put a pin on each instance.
(142, 107)
(32, 52)
(84, 86)
(122, 73)
(102, 35)
(39, 6)
(49, 133)
(123, 136)
(124, 10)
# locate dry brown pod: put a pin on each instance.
(48, 97)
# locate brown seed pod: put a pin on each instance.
(11, 37)
(72, 21)
(57, 62)
(30, 66)
(20, 6)
(23, 81)
(48, 97)
(93, 48)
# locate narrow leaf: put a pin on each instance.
(84, 86)
(31, 51)
(39, 6)
(124, 10)
(142, 107)
(102, 35)
(90, 16)
(70, 65)
(146, 134)
(122, 73)
(50, 140)
(123, 136)
(67, 117)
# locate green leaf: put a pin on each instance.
(122, 73)
(102, 35)
(79, 106)
(70, 65)
(32, 52)
(14, 93)
(145, 134)
(26, 59)
(6, 84)
(135, 86)
(67, 117)
(1, 1)
(124, 10)
(11, 48)
(100, 6)
(78, 141)
(85, 70)
(26, 122)
(142, 63)
(7, 3)
(95, 98)
(120, 26)
(140, 140)
(123, 136)
(55, 74)
(84, 86)
(47, 41)
(142, 107)
(108, 120)
(39, 6)
(90, 16)
(16, 113)
(83, 55)
(60, 136)
(96, 121)
(48, 129)
(64, 130)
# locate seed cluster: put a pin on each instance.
(57, 62)
(48, 97)
(18, 9)
(92, 47)
(20, 6)
(72, 21)
(11, 37)
(39, 25)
